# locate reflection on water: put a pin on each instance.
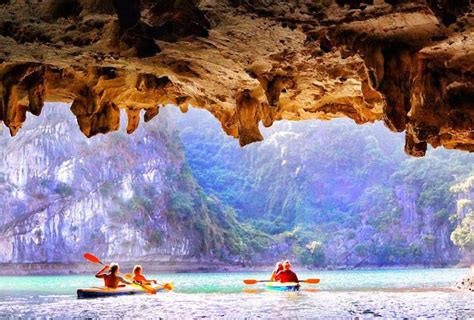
(387, 293)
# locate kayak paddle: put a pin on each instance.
(312, 281)
(167, 286)
(253, 281)
(145, 287)
(90, 257)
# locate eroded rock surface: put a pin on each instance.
(408, 63)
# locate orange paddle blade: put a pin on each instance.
(313, 281)
(90, 257)
(250, 281)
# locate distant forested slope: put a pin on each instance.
(335, 193)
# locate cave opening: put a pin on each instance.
(192, 138)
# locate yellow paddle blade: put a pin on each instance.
(313, 281)
(169, 286)
(250, 281)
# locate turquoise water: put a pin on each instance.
(389, 293)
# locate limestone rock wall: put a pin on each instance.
(408, 63)
(63, 195)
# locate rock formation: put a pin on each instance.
(408, 63)
(123, 198)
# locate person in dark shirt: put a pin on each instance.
(286, 275)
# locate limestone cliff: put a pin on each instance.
(408, 63)
(123, 198)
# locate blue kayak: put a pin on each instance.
(286, 286)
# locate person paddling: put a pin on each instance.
(278, 268)
(112, 278)
(287, 275)
(139, 277)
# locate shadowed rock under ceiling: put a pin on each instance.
(408, 63)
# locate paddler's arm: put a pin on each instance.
(146, 281)
(272, 277)
(100, 274)
(124, 280)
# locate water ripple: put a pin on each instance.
(242, 305)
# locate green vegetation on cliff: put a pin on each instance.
(335, 193)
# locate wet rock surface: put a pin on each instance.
(408, 63)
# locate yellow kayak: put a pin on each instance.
(100, 292)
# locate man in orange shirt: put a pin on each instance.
(286, 275)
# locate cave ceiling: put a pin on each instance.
(409, 64)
